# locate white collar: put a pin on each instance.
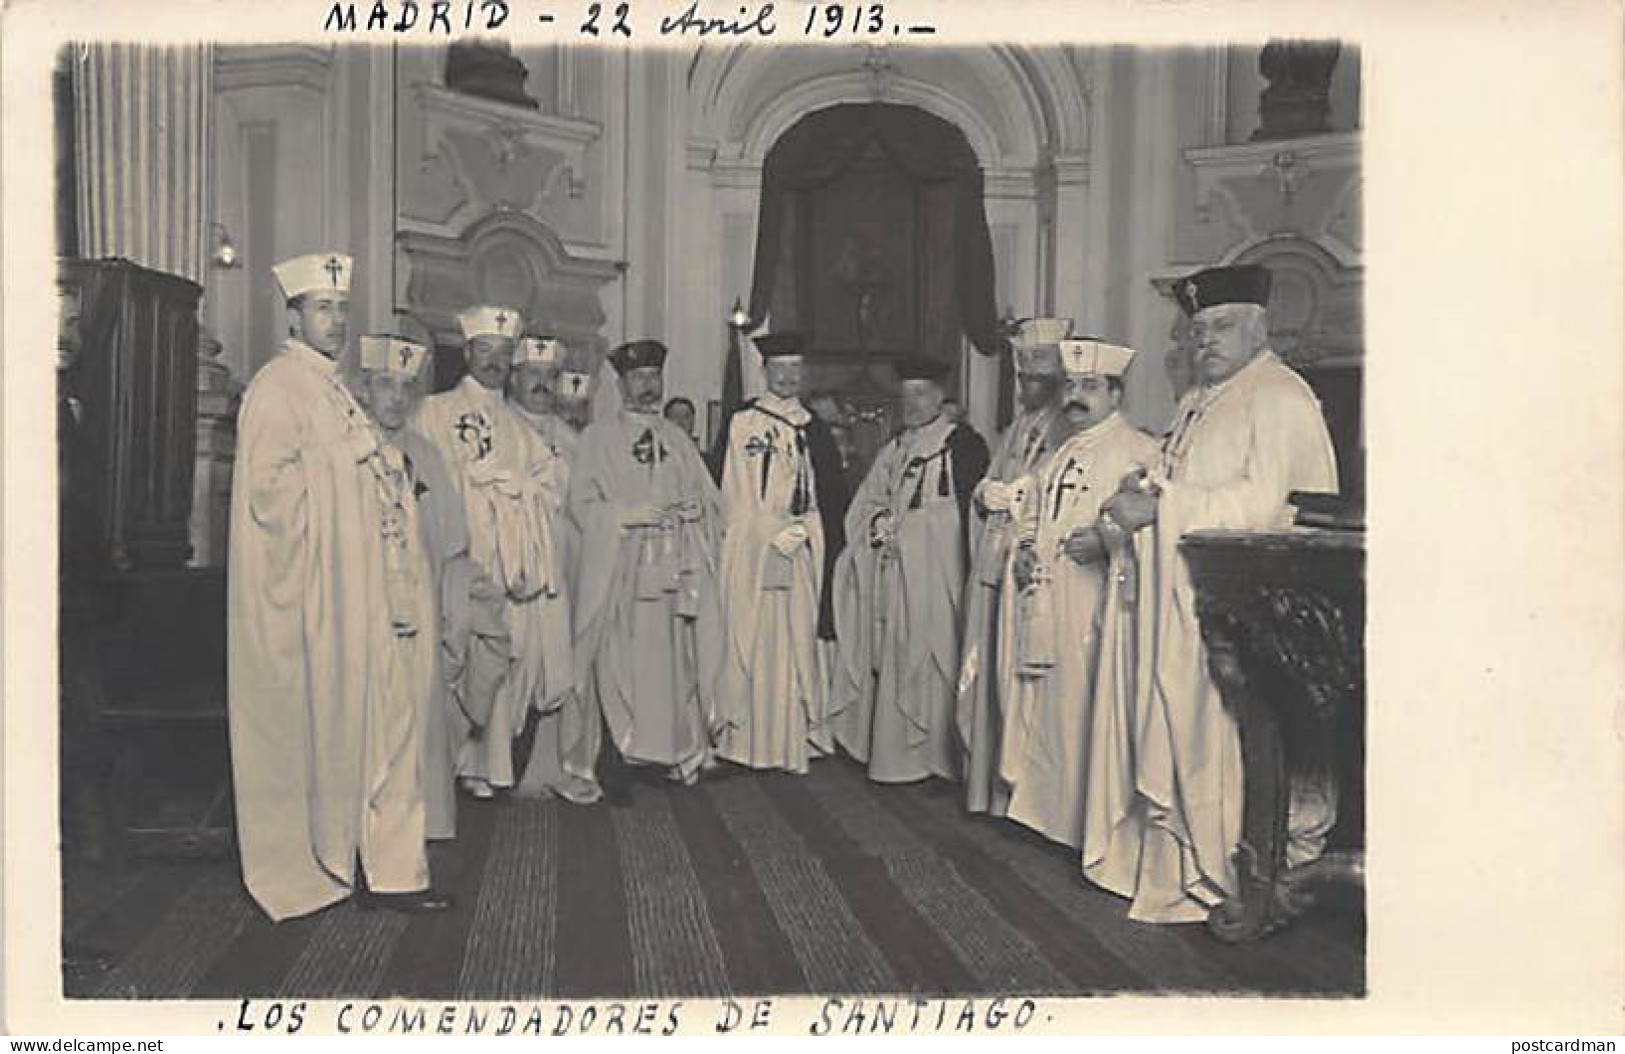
(310, 356)
(933, 431)
(790, 409)
(1207, 394)
(1094, 432)
(474, 389)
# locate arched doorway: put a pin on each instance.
(872, 242)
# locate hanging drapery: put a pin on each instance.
(934, 154)
(142, 139)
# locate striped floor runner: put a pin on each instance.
(754, 884)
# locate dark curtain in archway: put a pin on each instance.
(828, 146)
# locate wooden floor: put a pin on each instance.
(753, 884)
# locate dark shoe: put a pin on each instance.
(423, 902)
(648, 775)
(617, 795)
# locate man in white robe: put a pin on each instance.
(469, 617)
(1049, 626)
(326, 740)
(777, 462)
(1246, 437)
(572, 400)
(1026, 444)
(511, 482)
(568, 736)
(898, 588)
(534, 392)
(648, 633)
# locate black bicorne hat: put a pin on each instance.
(1245, 284)
(636, 355)
(921, 368)
(775, 344)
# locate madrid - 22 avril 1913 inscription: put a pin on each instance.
(621, 19)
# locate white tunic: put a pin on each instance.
(648, 634)
(511, 484)
(325, 739)
(564, 750)
(771, 693)
(1163, 828)
(980, 709)
(897, 609)
(1049, 703)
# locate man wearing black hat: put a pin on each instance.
(1245, 438)
(780, 492)
(898, 589)
(648, 627)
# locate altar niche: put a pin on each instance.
(873, 242)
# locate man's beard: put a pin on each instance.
(1038, 401)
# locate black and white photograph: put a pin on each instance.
(637, 519)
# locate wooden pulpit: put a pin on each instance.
(1283, 623)
(141, 636)
(136, 381)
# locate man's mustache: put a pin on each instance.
(1073, 404)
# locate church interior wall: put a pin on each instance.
(1089, 194)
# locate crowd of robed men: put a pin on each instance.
(416, 580)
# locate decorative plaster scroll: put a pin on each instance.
(1247, 192)
(481, 155)
(509, 258)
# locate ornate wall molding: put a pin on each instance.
(506, 258)
(1029, 103)
(480, 155)
(773, 120)
(1071, 170)
(1057, 92)
(303, 66)
(1248, 192)
(1294, 206)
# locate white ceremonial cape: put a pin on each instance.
(564, 751)
(897, 611)
(771, 695)
(1049, 698)
(325, 747)
(554, 430)
(979, 715)
(1165, 809)
(648, 633)
(443, 537)
(510, 483)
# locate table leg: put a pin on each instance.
(1259, 906)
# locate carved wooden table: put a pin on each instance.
(1283, 621)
